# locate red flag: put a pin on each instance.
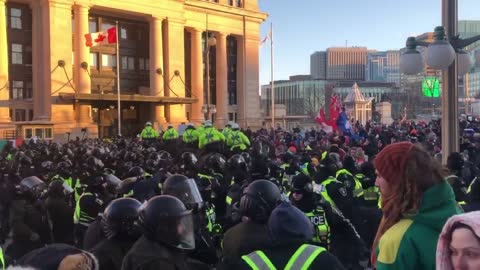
(100, 38)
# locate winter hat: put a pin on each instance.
(392, 160)
(287, 223)
(292, 149)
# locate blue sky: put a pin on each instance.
(302, 27)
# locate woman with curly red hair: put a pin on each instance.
(416, 203)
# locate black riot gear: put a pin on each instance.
(259, 199)
(119, 218)
(32, 186)
(58, 189)
(215, 163)
(166, 220)
(184, 189)
(237, 162)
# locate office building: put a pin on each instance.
(318, 65)
(346, 63)
(52, 83)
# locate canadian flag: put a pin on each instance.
(100, 38)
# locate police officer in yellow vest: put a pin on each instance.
(170, 134)
(63, 174)
(237, 141)
(326, 220)
(228, 129)
(190, 136)
(371, 192)
(346, 175)
(148, 132)
(211, 139)
(290, 232)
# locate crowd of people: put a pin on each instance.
(375, 197)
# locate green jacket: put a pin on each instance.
(149, 133)
(237, 139)
(190, 135)
(210, 135)
(412, 242)
(170, 134)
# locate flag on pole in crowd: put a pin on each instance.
(101, 38)
(266, 38)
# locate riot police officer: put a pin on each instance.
(331, 229)
(119, 225)
(256, 204)
(60, 212)
(187, 191)
(168, 231)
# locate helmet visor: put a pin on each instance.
(113, 180)
(188, 193)
(186, 238)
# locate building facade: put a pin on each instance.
(318, 65)
(52, 83)
(383, 67)
(346, 63)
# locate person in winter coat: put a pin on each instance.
(459, 244)
(59, 213)
(416, 203)
(473, 197)
(289, 231)
(256, 204)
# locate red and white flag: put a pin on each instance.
(100, 38)
(267, 37)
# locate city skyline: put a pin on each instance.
(337, 26)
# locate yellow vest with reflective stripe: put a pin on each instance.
(358, 189)
(300, 260)
(322, 229)
(2, 260)
(78, 216)
(323, 190)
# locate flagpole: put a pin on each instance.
(272, 78)
(119, 109)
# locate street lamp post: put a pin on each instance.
(444, 53)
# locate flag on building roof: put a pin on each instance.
(101, 38)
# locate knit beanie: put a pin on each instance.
(392, 160)
(287, 223)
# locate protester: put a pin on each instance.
(416, 203)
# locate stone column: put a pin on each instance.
(241, 82)
(156, 69)
(4, 89)
(38, 78)
(174, 52)
(222, 83)
(251, 98)
(197, 76)
(82, 54)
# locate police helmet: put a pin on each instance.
(237, 162)
(33, 186)
(25, 161)
(188, 159)
(165, 219)
(184, 189)
(62, 168)
(120, 218)
(148, 124)
(302, 184)
(58, 188)
(235, 126)
(136, 171)
(259, 199)
(164, 155)
(215, 163)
